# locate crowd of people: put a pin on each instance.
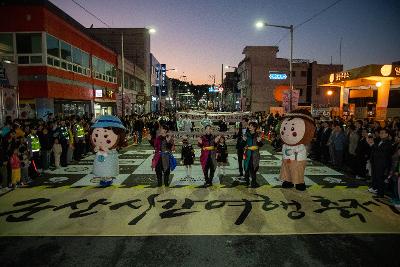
(367, 149)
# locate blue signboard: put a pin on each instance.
(213, 89)
(164, 80)
(277, 76)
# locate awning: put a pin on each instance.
(367, 75)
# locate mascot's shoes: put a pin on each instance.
(301, 187)
(286, 184)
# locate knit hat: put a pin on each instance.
(108, 121)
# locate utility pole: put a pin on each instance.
(340, 51)
(123, 75)
(222, 85)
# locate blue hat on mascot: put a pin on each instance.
(108, 121)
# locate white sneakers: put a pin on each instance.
(372, 191)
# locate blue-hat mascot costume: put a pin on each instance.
(107, 135)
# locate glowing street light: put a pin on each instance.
(261, 24)
(152, 30)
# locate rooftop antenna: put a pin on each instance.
(340, 51)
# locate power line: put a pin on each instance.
(90, 13)
(317, 14)
(310, 19)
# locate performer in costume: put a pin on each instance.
(187, 156)
(253, 142)
(107, 135)
(297, 130)
(207, 158)
(222, 155)
(163, 145)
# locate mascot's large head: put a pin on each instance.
(297, 128)
(107, 133)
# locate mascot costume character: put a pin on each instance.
(107, 135)
(297, 130)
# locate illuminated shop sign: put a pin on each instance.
(163, 79)
(99, 93)
(336, 77)
(277, 76)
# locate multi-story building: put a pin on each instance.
(136, 50)
(60, 67)
(155, 82)
(231, 92)
(262, 75)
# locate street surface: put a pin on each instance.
(187, 225)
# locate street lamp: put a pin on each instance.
(261, 24)
(329, 93)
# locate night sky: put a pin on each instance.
(197, 36)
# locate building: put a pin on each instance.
(60, 67)
(155, 83)
(367, 91)
(263, 77)
(231, 92)
(136, 50)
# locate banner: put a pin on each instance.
(214, 116)
(286, 100)
(127, 103)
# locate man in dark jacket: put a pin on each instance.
(139, 125)
(380, 161)
(239, 143)
(326, 133)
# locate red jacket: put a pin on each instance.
(15, 162)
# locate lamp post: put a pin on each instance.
(260, 25)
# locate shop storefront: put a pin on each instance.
(368, 91)
(68, 108)
(105, 102)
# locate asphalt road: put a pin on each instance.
(295, 250)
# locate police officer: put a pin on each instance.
(34, 149)
(79, 133)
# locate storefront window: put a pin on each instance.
(29, 43)
(53, 46)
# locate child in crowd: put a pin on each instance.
(221, 155)
(57, 150)
(187, 156)
(25, 167)
(15, 164)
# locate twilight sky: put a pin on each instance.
(197, 36)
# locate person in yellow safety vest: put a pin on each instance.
(33, 141)
(34, 149)
(79, 140)
(80, 132)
